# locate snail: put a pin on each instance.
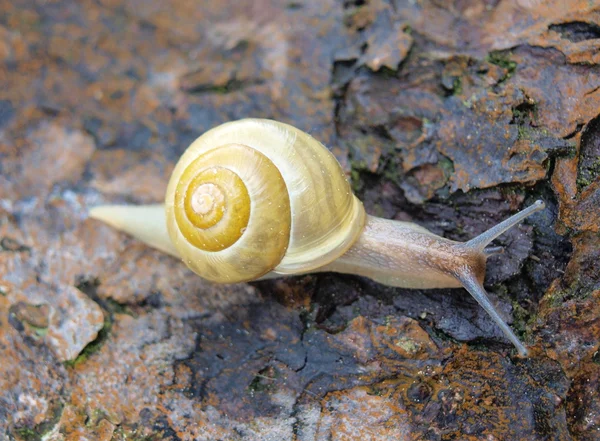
(255, 198)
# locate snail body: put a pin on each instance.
(257, 198)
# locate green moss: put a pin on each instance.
(109, 306)
(441, 335)
(232, 85)
(387, 320)
(27, 434)
(518, 114)
(40, 332)
(446, 165)
(524, 132)
(355, 180)
(264, 381)
(588, 174)
(386, 72)
(115, 307)
(555, 298)
(502, 60)
(95, 345)
(407, 345)
(576, 291)
(468, 103)
(375, 390)
(524, 114)
(582, 182)
(392, 174)
(37, 432)
(127, 433)
(520, 318)
(457, 86)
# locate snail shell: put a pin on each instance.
(253, 196)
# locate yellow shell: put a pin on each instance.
(254, 196)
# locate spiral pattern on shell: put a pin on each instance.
(253, 196)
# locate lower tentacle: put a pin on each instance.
(475, 288)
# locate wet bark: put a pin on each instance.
(450, 114)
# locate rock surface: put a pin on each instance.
(450, 114)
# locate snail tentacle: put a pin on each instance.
(481, 241)
(475, 288)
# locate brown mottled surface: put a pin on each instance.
(450, 114)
